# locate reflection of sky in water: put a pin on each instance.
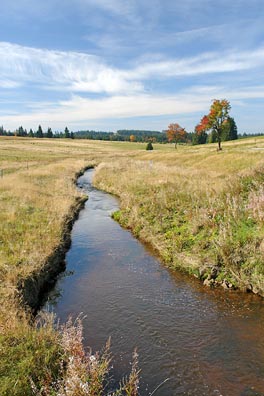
(207, 342)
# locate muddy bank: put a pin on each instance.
(32, 290)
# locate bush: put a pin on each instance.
(149, 146)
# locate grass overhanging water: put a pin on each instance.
(202, 211)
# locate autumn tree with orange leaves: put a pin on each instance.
(175, 133)
(215, 120)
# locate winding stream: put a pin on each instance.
(207, 342)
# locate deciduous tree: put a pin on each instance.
(216, 119)
(175, 133)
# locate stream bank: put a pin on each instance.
(212, 232)
(34, 289)
(207, 342)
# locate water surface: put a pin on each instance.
(206, 342)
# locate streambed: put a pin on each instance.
(205, 342)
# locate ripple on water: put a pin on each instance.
(206, 342)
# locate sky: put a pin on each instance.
(130, 64)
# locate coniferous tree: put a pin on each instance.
(199, 137)
(49, 133)
(149, 146)
(21, 131)
(212, 138)
(67, 133)
(229, 130)
(39, 133)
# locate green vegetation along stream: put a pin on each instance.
(199, 341)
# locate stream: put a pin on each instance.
(199, 341)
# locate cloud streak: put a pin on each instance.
(120, 93)
(202, 64)
(70, 71)
(79, 110)
(80, 72)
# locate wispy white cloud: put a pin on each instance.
(61, 70)
(9, 84)
(125, 91)
(154, 59)
(80, 72)
(131, 12)
(204, 63)
(79, 110)
(119, 7)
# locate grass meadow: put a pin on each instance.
(201, 210)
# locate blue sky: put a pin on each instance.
(122, 64)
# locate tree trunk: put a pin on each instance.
(219, 140)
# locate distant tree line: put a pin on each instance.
(142, 135)
(39, 133)
(124, 135)
(121, 135)
(94, 135)
(246, 135)
(209, 130)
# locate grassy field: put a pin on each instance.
(201, 210)
(37, 199)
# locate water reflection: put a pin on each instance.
(206, 342)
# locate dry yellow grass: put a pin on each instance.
(200, 209)
(194, 205)
(37, 195)
(37, 188)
